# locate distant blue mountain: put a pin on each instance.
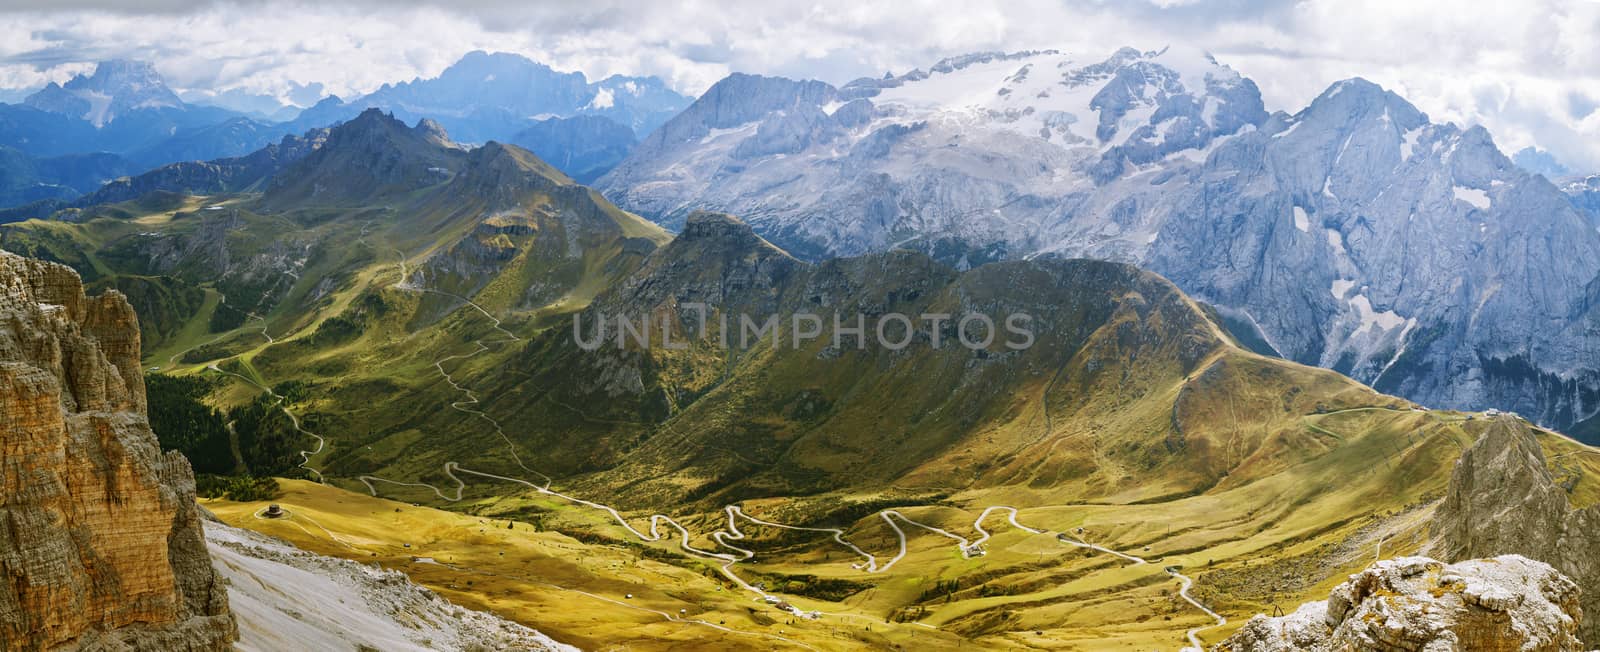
(25, 179)
(1538, 161)
(124, 108)
(487, 96)
(584, 146)
(510, 98)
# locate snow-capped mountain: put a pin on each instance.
(1355, 234)
(983, 150)
(116, 87)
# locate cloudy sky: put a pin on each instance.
(1527, 70)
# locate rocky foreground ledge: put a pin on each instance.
(286, 598)
(1508, 603)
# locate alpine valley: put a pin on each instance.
(1258, 347)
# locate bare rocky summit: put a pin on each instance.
(1504, 500)
(100, 539)
(1507, 603)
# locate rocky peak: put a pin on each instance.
(372, 125)
(721, 230)
(122, 75)
(1503, 500)
(1357, 96)
(100, 539)
(715, 258)
(433, 132)
(1503, 604)
(367, 157)
(116, 87)
(735, 100)
(507, 177)
(502, 158)
(503, 71)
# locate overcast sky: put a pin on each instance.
(1527, 70)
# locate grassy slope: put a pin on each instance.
(574, 591)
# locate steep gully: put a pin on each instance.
(871, 564)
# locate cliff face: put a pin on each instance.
(1503, 500)
(1503, 604)
(100, 539)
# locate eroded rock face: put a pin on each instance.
(100, 539)
(1509, 603)
(1503, 500)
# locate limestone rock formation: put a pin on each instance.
(100, 539)
(1502, 604)
(1503, 500)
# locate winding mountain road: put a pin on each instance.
(306, 455)
(1194, 634)
(730, 532)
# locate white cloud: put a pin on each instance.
(1524, 70)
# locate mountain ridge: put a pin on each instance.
(1167, 159)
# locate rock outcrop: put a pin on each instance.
(100, 539)
(1502, 604)
(1503, 500)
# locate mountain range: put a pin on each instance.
(305, 248)
(410, 304)
(584, 127)
(1354, 234)
(125, 114)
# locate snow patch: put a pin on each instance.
(1301, 221)
(99, 107)
(1130, 123)
(603, 99)
(1401, 349)
(1478, 198)
(714, 134)
(1408, 143)
(1385, 321)
(1336, 240)
(1341, 287)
